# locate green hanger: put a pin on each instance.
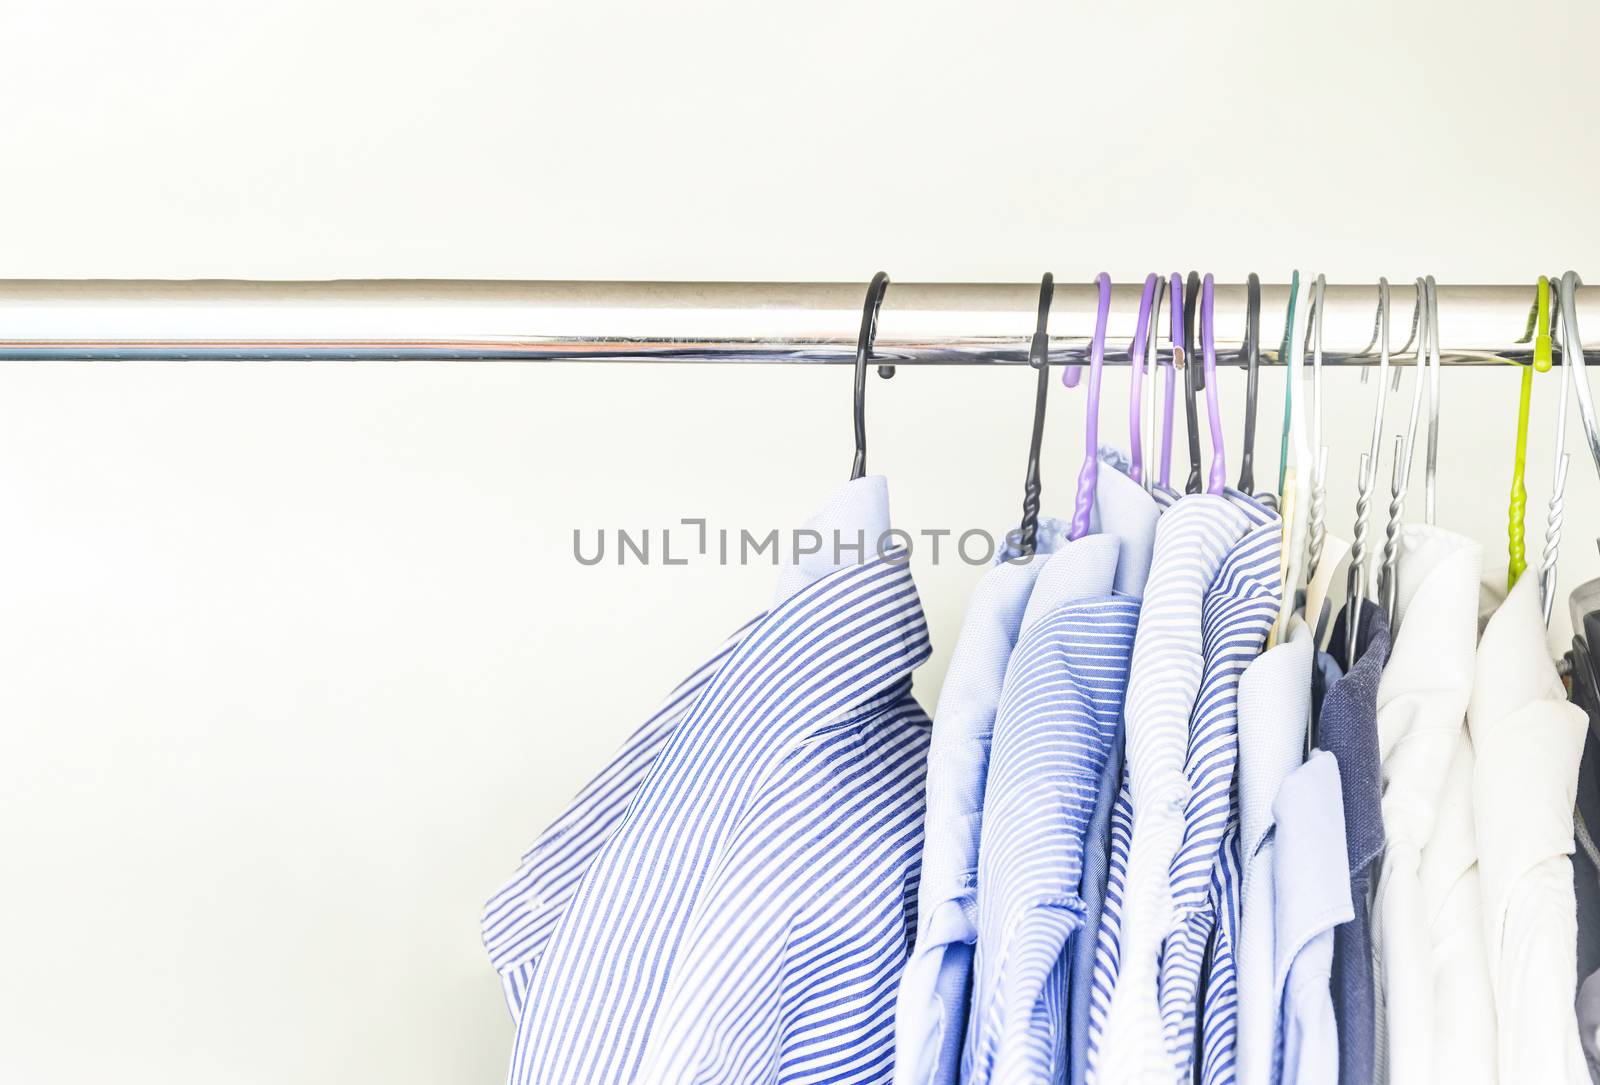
(1288, 385)
(1518, 510)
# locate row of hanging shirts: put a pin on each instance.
(1169, 824)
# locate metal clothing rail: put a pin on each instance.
(501, 320)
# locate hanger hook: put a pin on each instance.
(1252, 361)
(1038, 358)
(1285, 351)
(869, 333)
(1318, 531)
(1404, 449)
(1152, 358)
(1517, 503)
(1193, 378)
(1555, 513)
(1136, 369)
(1572, 354)
(1174, 323)
(1296, 475)
(1356, 576)
(1218, 479)
(1089, 474)
(1435, 363)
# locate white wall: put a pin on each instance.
(295, 657)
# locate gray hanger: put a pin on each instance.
(1571, 362)
(1356, 583)
(1317, 530)
(1404, 448)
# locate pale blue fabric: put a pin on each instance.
(933, 1000)
(931, 1009)
(1063, 696)
(1311, 891)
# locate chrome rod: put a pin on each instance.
(811, 323)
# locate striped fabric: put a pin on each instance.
(1239, 608)
(1053, 733)
(931, 1009)
(1108, 939)
(746, 915)
(1219, 1030)
(1126, 1042)
(1097, 851)
(519, 918)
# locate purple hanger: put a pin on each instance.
(1089, 475)
(1135, 393)
(1174, 324)
(1208, 351)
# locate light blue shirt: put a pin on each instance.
(746, 916)
(1053, 733)
(1311, 896)
(1274, 719)
(932, 1006)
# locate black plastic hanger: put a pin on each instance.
(1039, 358)
(869, 332)
(1252, 361)
(1193, 379)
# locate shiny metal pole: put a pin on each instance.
(466, 320)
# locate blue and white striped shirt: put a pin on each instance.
(747, 914)
(1053, 733)
(1126, 1038)
(931, 1011)
(1239, 608)
(519, 919)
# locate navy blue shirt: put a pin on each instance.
(1347, 727)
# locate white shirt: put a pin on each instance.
(1529, 741)
(1464, 1045)
(1422, 706)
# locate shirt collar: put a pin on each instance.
(1274, 709)
(1446, 568)
(1258, 514)
(1312, 882)
(1125, 509)
(1081, 569)
(1514, 665)
(856, 511)
(1114, 557)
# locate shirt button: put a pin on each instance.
(535, 904)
